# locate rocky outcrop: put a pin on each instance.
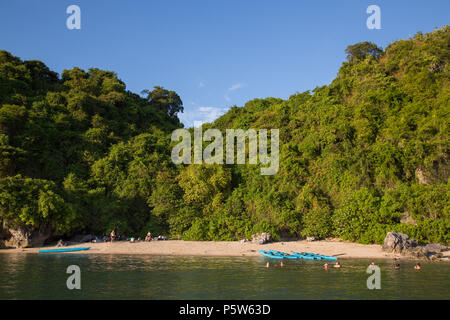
(261, 238)
(436, 247)
(2, 237)
(24, 237)
(397, 242)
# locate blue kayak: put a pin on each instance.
(295, 255)
(313, 256)
(321, 256)
(277, 255)
(63, 250)
(305, 256)
(283, 254)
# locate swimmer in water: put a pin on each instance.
(337, 265)
(417, 266)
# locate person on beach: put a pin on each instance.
(417, 266)
(113, 236)
(337, 265)
(397, 266)
(325, 266)
(148, 237)
(132, 240)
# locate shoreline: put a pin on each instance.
(339, 249)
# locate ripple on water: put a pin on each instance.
(30, 276)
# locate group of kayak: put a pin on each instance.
(295, 255)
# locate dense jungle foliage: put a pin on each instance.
(364, 155)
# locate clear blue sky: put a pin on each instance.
(213, 53)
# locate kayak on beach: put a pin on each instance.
(63, 250)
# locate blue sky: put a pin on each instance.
(214, 54)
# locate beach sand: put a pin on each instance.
(338, 249)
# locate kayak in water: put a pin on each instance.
(277, 255)
(314, 256)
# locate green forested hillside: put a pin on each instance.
(64, 141)
(365, 155)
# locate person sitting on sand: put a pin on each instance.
(417, 266)
(148, 237)
(337, 265)
(113, 236)
(325, 266)
(397, 266)
(132, 240)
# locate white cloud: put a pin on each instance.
(209, 114)
(201, 84)
(205, 109)
(236, 86)
(201, 114)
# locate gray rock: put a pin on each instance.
(25, 237)
(419, 252)
(261, 238)
(3, 237)
(398, 242)
(436, 247)
(436, 256)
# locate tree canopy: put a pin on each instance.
(361, 50)
(364, 155)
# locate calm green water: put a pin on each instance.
(32, 276)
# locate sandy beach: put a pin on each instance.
(339, 249)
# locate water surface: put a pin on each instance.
(43, 276)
